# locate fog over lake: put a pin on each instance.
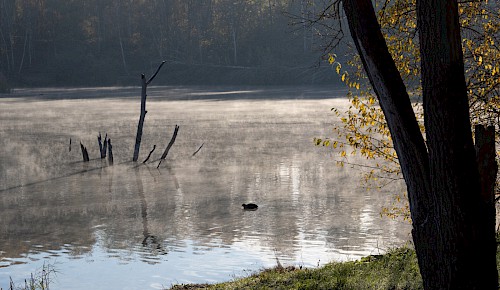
(133, 226)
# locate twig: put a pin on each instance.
(149, 155)
(169, 145)
(154, 75)
(197, 150)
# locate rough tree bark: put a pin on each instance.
(455, 249)
(142, 116)
(467, 249)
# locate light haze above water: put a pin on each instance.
(132, 226)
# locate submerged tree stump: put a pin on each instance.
(85, 153)
(110, 152)
(102, 146)
(105, 146)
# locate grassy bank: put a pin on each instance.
(397, 269)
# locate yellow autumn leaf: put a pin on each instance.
(331, 59)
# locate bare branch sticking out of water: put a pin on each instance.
(110, 152)
(169, 145)
(102, 145)
(144, 85)
(149, 155)
(198, 150)
(105, 146)
(157, 71)
(85, 153)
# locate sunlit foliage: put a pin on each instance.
(363, 129)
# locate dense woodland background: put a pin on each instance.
(111, 42)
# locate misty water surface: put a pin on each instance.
(132, 226)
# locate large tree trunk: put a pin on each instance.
(465, 249)
(443, 184)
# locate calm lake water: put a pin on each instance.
(132, 226)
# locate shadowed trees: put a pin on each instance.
(112, 41)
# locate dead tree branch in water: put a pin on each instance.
(110, 152)
(102, 149)
(169, 145)
(85, 153)
(198, 150)
(149, 155)
(105, 145)
(143, 111)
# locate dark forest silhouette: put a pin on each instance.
(110, 42)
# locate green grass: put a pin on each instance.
(397, 269)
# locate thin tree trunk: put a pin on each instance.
(124, 61)
(120, 40)
(394, 101)
(24, 51)
(142, 116)
(7, 58)
(235, 47)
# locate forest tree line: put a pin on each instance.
(111, 42)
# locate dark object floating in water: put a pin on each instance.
(250, 206)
